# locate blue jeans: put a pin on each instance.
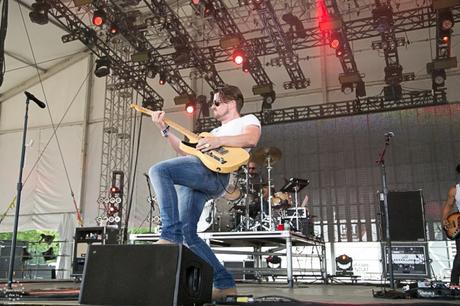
(182, 186)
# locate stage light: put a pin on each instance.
(335, 41)
(113, 29)
(102, 67)
(360, 89)
(444, 36)
(98, 18)
(112, 209)
(339, 52)
(445, 20)
(151, 71)
(268, 99)
(246, 66)
(39, 13)
(343, 265)
(273, 260)
(392, 92)
(162, 79)
(347, 88)
(439, 78)
(114, 190)
(190, 107)
(238, 56)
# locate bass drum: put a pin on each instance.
(217, 216)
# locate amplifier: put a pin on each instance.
(410, 261)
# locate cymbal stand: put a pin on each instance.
(245, 223)
(270, 196)
(296, 198)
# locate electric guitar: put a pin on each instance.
(452, 228)
(221, 160)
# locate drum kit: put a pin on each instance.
(250, 204)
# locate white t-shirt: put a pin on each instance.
(236, 126)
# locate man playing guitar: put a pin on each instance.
(453, 201)
(181, 207)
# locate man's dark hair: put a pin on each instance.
(458, 168)
(229, 93)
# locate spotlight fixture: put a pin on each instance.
(438, 77)
(39, 13)
(112, 209)
(151, 71)
(98, 18)
(335, 41)
(347, 88)
(238, 56)
(343, 265)
(114, 190)
(162, 79)
(268, 99)
(102, 67)
(246, 66)
(273, 260)
(190, 107)
(446, 20)
(444, 36)
(113, 29)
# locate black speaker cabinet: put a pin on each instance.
(406, 216)
(160, 275)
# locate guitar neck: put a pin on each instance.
(190, 135)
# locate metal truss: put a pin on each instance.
(363, 28)
(383, 20)
(339, 109)
(176, 29)
(139, 43)
(282, 44)
(129, 74)
(116, 142)
(227, 26)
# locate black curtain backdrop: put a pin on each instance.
(339, 156)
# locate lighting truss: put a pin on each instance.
(412, 99)
(176, 29)
(383, 23)
(347, 60)
(125, 70)
(357, 29)
(281, 42)
(142, 46)
(228, 27)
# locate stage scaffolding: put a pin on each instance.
(267, 243)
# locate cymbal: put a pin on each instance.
(260, 155)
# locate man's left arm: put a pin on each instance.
(248, 139)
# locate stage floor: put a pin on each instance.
(307, 294)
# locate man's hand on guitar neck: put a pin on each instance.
(158, 119)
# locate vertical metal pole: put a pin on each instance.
(18, 199)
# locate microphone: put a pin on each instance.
(389, 134)
(33, 98)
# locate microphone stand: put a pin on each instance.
(381, 163)
(150, 200)
(18, 198)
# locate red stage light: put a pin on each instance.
(98, 18)
(245, 66)
(238, 56)
(114, 189)
(334, 41)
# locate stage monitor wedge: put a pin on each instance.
(161, 275)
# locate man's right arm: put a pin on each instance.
(449, 205)
(174, 141)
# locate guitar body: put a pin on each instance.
(452, 229)
(221, 160)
